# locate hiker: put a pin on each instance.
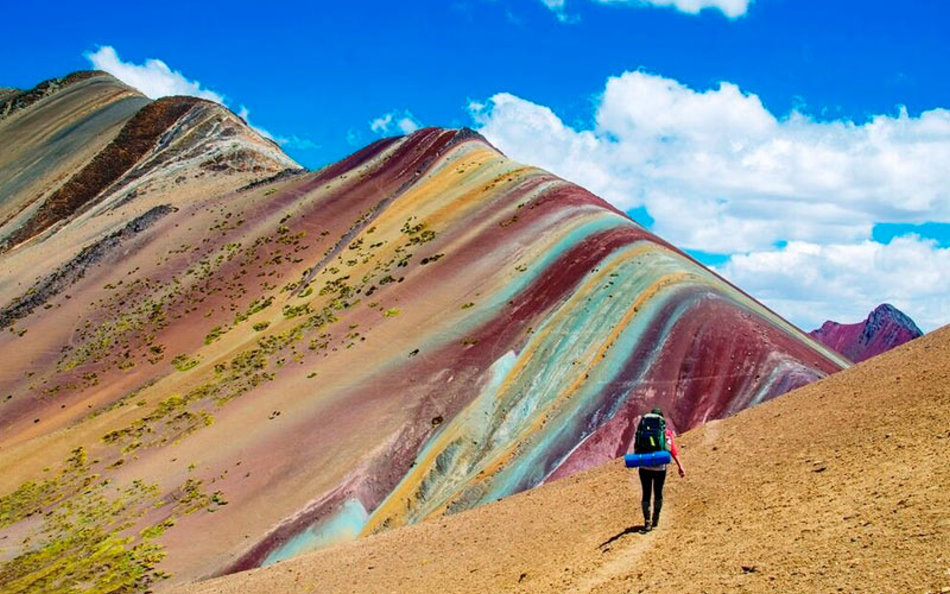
(653, 435)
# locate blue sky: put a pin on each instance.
(585, 88)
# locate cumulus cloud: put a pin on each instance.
(153, 78)
(731, 8)
(719, 173)
(811, 283)
(558, 8)
(354, 138)
(395, 122)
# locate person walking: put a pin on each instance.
(653, 435)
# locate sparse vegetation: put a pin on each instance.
(214, 281)
(214, 335)
(184, 362)
(83, 539)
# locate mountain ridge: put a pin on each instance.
(13, 100)
(420, 328)
(885, 327)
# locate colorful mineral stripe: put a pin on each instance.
(423, 327)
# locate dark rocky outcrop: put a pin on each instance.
(280, 176)
(885, 328)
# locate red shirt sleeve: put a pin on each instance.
(670, 444)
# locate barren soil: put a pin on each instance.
(843, 485)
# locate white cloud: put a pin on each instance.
(811, 283)
(555, 5)
(731, 8)
(558, 8)
(719, 173)
(381, 124)
(153, 78)
(354, 138)
(395, 121)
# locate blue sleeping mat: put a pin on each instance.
(652, 459)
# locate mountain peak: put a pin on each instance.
(106, 144)
(457, 136)
(885, 328)
(887, 311)
(15, 100)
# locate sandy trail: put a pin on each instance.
(628, 555)
(843, 485)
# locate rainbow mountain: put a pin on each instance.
(213, 360)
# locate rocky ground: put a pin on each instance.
(843, 485)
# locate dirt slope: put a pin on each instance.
(843, 485)
(284, 365)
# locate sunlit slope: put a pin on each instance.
(841, 485)
(88, 157)
(51, 132)
(421, 328)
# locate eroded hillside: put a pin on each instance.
(841, 485)
(217, 361)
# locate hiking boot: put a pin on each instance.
(647, 526)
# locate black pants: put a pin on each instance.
(652, 481)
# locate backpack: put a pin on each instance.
(651, 434)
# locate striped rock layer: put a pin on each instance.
(241, 372)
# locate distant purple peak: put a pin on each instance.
(886, 311)
(885, 308)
